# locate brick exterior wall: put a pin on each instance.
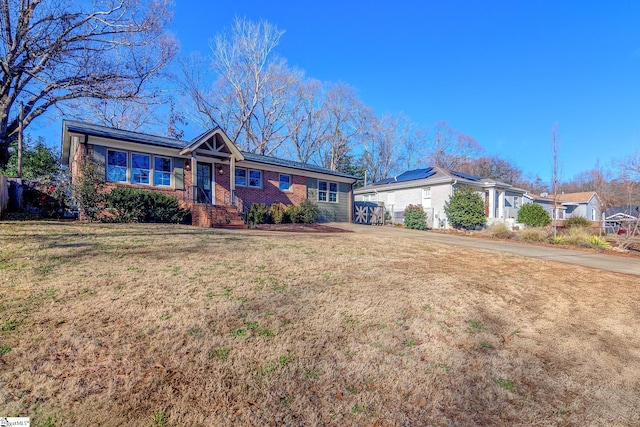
(183, 196)
(222, 184)
(270, 192)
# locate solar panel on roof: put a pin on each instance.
(384, 181)
(415, 174)
(465, 176)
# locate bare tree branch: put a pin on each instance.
(53, 51)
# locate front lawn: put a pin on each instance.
(148, 325)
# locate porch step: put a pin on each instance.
(216, 216)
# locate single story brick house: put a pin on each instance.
(433, 186)
(209, 174)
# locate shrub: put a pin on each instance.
(533, 215)
(465, 208)
(307, 212)
(415, 217)
(291, 214)
(277, 213)
(559, 240)
(599, 242)
(500, 231)
(258, 214)
(89, 190)
(535, 234)
(136, 205)
(577, 237)
(577, 221)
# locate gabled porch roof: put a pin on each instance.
(214, 142)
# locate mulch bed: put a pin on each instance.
(301, 228)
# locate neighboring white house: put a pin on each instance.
(585, 204)
(432, 187)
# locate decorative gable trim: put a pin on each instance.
(213, 142)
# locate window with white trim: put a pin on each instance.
(426, 193)
(248, 178)
(140, 168)
(255, 179)
(116, 166)
(327, 192)
(241, 177)
(593, 214)
(516, 202)
(285, 182)
(162, 171)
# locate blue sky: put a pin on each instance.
(501, 71)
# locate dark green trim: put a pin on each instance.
(178, 173)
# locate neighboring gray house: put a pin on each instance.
(431, 188)
(585, 204)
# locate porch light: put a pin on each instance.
(220, 170)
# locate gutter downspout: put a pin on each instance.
(453, 184)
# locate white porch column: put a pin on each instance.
(232, 179)
(501, 200)
(232, 171)
(492, 203)
(194, 176)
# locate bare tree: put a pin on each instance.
(347, 118)
(493, 167)
(555, 146)
(135, 115)
(195, 82)
(308, 125)
(414, 147)
(451, 148)
(383, 142)
(247, 90)
(53, 51)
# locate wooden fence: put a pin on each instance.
(4, 193)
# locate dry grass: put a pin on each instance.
(168, 325)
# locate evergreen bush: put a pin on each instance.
(577, 221)
(88, 190)
(465, 208)
(533, 215)
(307, 212)
(258, 214)
(291, 214)
(137, 205)
(415, 217)
(277, 213)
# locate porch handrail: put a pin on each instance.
(197, 191)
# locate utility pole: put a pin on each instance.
(20, 150)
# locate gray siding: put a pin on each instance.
(330, 212)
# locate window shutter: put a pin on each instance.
(100, 157)
(178, 173)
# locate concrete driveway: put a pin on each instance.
(617, 264)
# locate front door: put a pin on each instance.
(204, 183)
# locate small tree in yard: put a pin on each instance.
(533, 215)
(89, 190)
(415, 217)
(465, 208)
